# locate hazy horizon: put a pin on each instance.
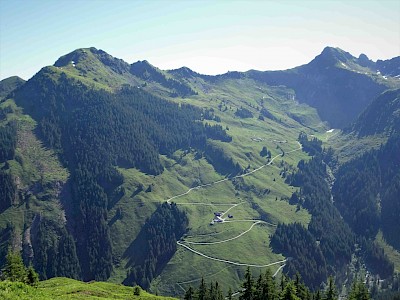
(207, 37)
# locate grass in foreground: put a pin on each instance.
(65, 288)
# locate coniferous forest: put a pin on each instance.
(331, 240)
(266, 287)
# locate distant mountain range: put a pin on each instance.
(105, 165)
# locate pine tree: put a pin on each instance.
(318, 296)
(211, 292)
(189, 294)
(248, 286)
(269, 290)
(259, 287)
(359, 292)
(218, 292)
(202, 293)
(331, 293)
(32, 278)
(14, 269)
(67, 260)
(301, 290)
(289, 292)
(229, 295)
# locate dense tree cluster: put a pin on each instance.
(327, 226)
(216, 132)
(266, 287)
(295, 241)
(313, 146)
(221, 162)
(8, 190)
(265, 113)
(6, 235)
(8, 141)
(209, 114)
(367, 192)
(335, 238)
(156, 243)
(53, 256)
(15, 270)
(376, 258)
(243, 112)
(265, 152)
(380, 116)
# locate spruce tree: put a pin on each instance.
(248, 286)
(32, 278)
(269, 290)
(289, 292)
(359, 291)
(218, 292)
(14, 269)
(189, 294)
(229, 295)
(202, 293)
(331, 293)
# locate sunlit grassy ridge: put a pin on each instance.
(65, 288)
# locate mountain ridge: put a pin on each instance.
(98, 144)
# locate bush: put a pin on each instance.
(137, 290)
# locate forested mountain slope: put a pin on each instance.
(382, 116)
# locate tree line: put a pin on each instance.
(267, 287)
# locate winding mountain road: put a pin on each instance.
(233, 205)
(230, 178)
(229, 261)
(227, 240)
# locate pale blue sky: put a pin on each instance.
(210, 37)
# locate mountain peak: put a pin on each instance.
(330, 56)
(143, 69)
(364, 61)
(72, 57)
(142, 64)
(183, 72)
(86, 58)
(9, 84)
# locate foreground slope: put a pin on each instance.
(65, 288)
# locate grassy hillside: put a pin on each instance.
(65, 288)
(259, 196)
(254, 113)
